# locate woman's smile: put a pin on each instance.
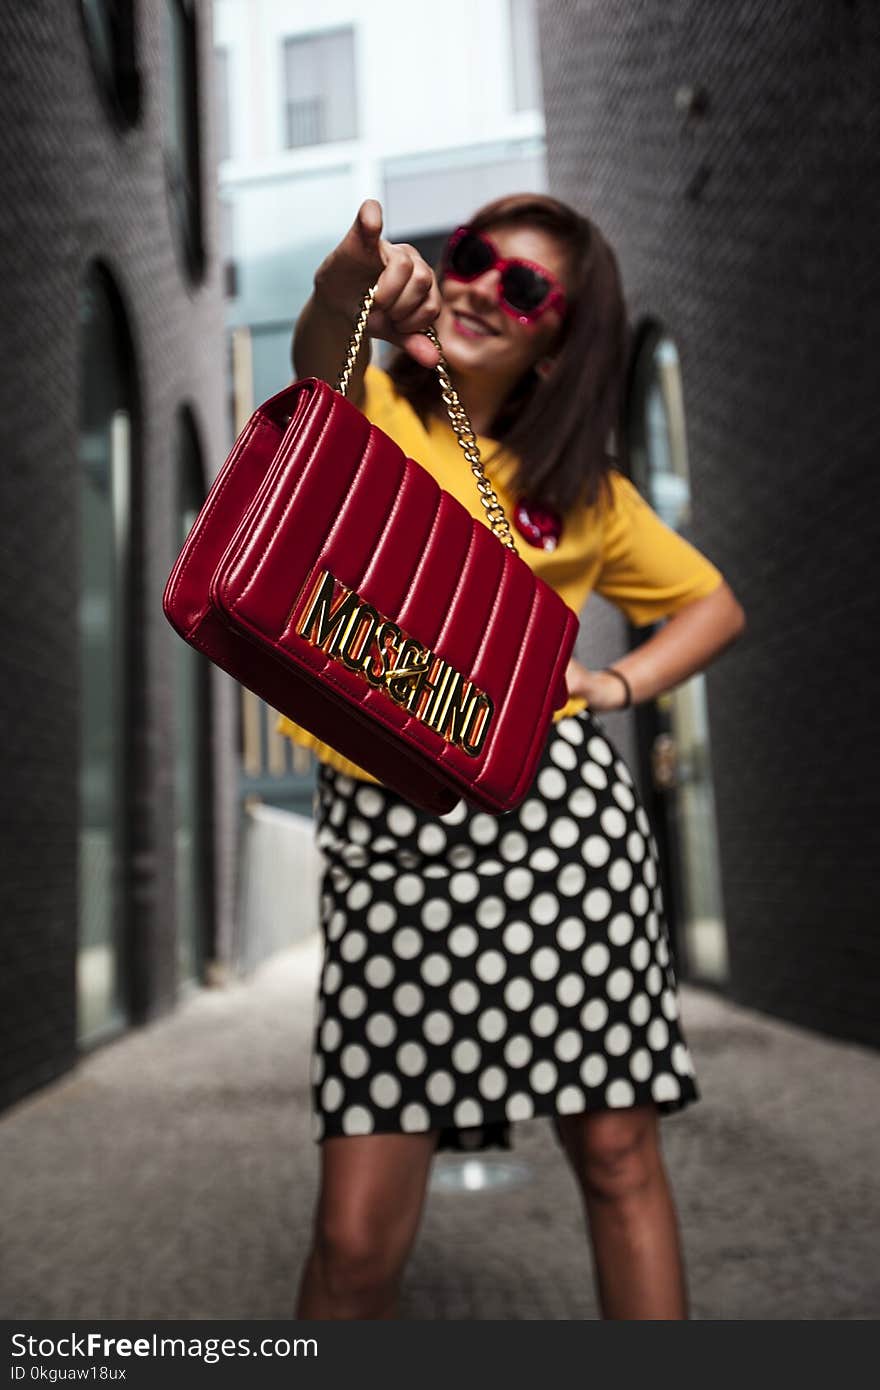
(470, 326)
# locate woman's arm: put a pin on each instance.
(407, 300)
(320, 343)
(688, 642)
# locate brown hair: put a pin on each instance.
(557, 427)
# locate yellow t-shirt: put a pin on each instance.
(624, 552)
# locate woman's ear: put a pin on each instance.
(544, 366)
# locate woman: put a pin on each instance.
(480, 969)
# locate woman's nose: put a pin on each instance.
(485, 287)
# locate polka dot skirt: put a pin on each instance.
(483, 969)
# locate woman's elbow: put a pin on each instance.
(734, 614)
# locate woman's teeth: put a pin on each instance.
(472, 325)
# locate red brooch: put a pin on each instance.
(539, 525)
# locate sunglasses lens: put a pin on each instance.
(471, 256)
(524, 289)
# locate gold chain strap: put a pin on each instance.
(457, 414)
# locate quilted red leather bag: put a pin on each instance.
(332, 576)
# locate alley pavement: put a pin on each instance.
(173, 1175)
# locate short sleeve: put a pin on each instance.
(648, 570)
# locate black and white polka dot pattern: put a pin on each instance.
(484, 969)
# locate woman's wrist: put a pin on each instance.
(320, 343)
(603, 690)
(623, 685)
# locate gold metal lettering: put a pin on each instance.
(449, 683)
(358, 634)
(321, 621)
(412, 661)
(480, 703)
(352, 631)
(426, 689)
(385, 650)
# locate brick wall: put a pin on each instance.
(75, 187)
(750, 232)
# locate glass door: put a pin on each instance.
(191, 783)
(104, 458)
(674, 731)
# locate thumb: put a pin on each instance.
(419, 346)
(369, 223)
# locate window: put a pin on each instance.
(191, 714)
(182, 157)
(675, 731)
(226, 227)
(525, 56)
(419, 191)
(319, 89)
(221, 92)
(109, 31)
(106, 433)
(658, 441)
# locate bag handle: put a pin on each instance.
(457, 414)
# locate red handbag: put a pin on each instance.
(334, 578)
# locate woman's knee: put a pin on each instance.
(358, 1258)
(372, 1190)
(615, 1154)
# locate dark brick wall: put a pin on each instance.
(751, 233)
(75, 187)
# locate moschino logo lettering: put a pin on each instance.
(343, 625)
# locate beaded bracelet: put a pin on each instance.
(612, 670)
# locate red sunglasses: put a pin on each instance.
(525, 289)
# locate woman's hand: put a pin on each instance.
(407, 297)
(685, 644)
(601, 691)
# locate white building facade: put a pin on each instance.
(432, 111)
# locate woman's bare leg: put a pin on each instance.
(616, 1158)
(367, 1216)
